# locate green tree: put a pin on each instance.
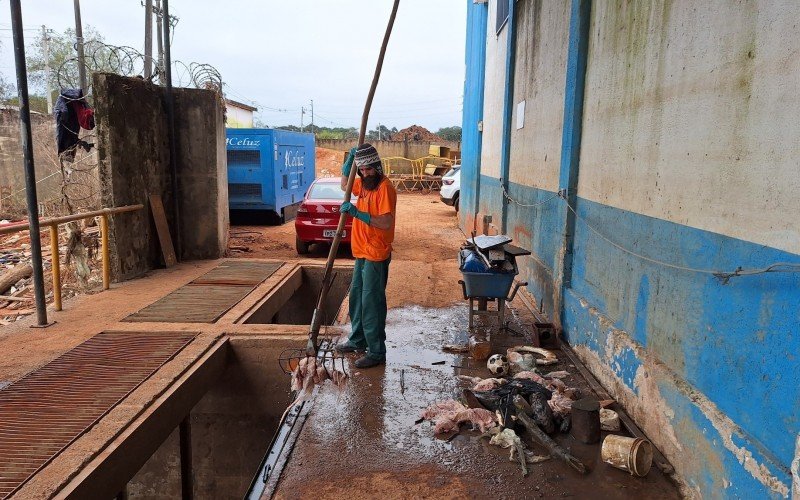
(63, 60)
(37, 103)
(384, 135)
(450, 133)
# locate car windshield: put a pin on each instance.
(326, 191)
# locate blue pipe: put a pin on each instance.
(505, 155)
(571, 133)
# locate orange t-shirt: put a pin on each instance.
(369, 242)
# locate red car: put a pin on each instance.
(318, 215)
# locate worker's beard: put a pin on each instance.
(370, 183)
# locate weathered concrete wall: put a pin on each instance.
(410, 149)
(12, 171)
(134, 153)
(541, 50)
(685, 104)
(133, 156)
(202, 173)
(231, 426)
(495, 78)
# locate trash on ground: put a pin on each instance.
(455, 348)
(448, 415)
(497, 365)
(609, 420)
(634, 455)
(548, 357)
(507, 438)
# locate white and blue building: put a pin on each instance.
(650, 149)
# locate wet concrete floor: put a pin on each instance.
(364, 443)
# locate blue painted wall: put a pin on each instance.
(475, 61)
(733, 346)
(708, 369)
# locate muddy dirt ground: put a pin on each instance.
(427, 238)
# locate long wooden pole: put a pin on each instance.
(316, 319)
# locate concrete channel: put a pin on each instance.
(206, 418)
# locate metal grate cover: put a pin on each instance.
(208, 297)
(238, 191)
(46, 410)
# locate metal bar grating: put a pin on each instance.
(208, 297)
(46, 410)
(240, 272)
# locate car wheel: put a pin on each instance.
(301, 246)
(456, 201)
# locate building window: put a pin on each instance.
(502, 15)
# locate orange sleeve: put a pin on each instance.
(387, 202)
(357, 186)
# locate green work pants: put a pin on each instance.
(368, 307)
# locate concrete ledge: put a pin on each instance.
(109, 471)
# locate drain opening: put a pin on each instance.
(294, 301)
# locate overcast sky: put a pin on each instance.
(279, 55)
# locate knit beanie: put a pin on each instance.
(367, 156)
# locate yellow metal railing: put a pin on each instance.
(53, 224)
(417, 165)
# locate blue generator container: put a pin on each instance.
(269, 169)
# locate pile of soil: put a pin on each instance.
(416, 133)
(328, 162)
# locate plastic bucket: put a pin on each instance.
(634, 455)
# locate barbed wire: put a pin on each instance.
(127, 61)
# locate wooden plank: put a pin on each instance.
(164, 238)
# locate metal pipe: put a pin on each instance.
(27, 150)
(79, 46)
(104, 251)
(148, 39)
(508, 108)
(14, 228)
(56, 264)
(577, 57)
(173, 149)
(316, 319)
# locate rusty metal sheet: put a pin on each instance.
(47, 409)
(208, 297)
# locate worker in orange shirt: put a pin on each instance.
(371, 243)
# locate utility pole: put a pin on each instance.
(379, 131)
(148, 39)
(27, 157)
(312, 116)
(46, 50)
(173, 148)
(302, 112)
(160, 39)
(79, 46)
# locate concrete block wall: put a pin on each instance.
(687, 164)
(133, 151)
(12, 173)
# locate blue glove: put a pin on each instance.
(351, 209)
(348, 162)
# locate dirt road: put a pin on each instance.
(423, 269)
